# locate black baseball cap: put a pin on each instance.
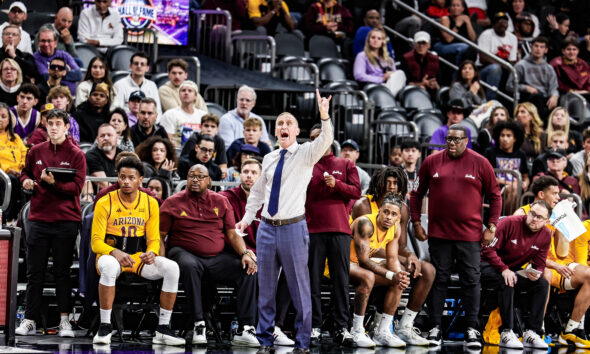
(499, 16)
(136, 95)
(557, 153)
(350, 142)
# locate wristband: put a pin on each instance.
(389, 275)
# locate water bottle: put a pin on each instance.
(20, 315)
(234, 328)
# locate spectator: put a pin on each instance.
(503, 44)
(266, 15)
(196, 242)
(61, 25)
(455, 114)
(334, 185)
(24, 112)
(158, 157)
(11, 36)
(146, 126)
(520, 240)
(371, 20)
(118, 119)
(455, 231)
(93, 112)
(12, 161)
(170, 92)
(421, 66)
(556, 163)
(411, 155)
(231, 124)
(506, 155)
(159, 187)
(457, 21)
(47, 51)
(57, 71)
(437, 9)
(133, 106)
(373, 65)
(328, 18)
(61, 98)
(557, 140)
(537, 81)
(139, 65)
(40, 133)
(181, 121)
(246, 152)
(485, 137)
(466, 86)
(518, 13)
(559, 119)
(11, 78)
(584, 182)
(98, 71)
(349, 150)
(585, 47)
(559, 28)
(395, 156)
(525, 30)
(100, 159)
(209, 126)
(238, 10)
(17, 14)
(52, 228)
(572, 73)
(535, 140)
(100, 26)
(204, 152)
(130, 209)
(479, 7)
(252, 134)
(579, 158)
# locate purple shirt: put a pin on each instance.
(364, 71)
(72, 77)
(25, 131)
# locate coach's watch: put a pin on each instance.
(492, 228)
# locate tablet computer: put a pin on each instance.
(62, 174)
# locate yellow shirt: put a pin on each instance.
(113, 217)
(579, 251)
(12, 153)
(374, 207)
(378, 240)
(254, 8)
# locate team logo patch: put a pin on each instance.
(111, 241)
(183, 213)
(216, 210)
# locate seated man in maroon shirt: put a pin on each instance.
(520, 239)
(420, 66)
(196, 222)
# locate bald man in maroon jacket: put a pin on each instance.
(457, 180)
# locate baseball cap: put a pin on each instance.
(557, 153)
(136, 95)
(18, 4)
(456, 104)
(351, 143)
(250, 148)
(100, 87)
(47, 107)
(421, 36)
(499, 16)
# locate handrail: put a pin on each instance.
(501, 61)
(312, 66)
(582, 101)
(8, 190)
(577, 200)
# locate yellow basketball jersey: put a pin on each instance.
(377, 241)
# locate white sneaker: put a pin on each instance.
(282, 339)
(65, 329)
(361, 339)
(315, 337)
(164, 335)
(200, 334)
(26, 328)
(387, 339)
(531, 339)
(411, 335)
(103, 336)
(247, 338)
(510, 340)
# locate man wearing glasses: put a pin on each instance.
(11, 38)
(205, 152)
(457, 180)
(17, 14)
(520, 240)
(146, 126)
(198, 223)
(57, 71)
(136, 81)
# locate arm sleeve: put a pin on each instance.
(220, 156)
(99, 229)
(540, 258)
(166, 98)
(165, 218)
(152, 228)
(492, 192)
(74, 187)
(421, 187)
(314, 151)
(581, 247)
(117, 37)
(226, 131)
(351, 189)
(553, 84)
(84, 32)
(256, 197)
(490, 253)
(74, 75)
(253, 9)
(27, 172)
(92, 164)
(168, 123)
(309, 21)
(360, 70)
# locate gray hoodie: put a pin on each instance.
(540, 76)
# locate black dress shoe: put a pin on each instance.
(300, 351)
(265, 350)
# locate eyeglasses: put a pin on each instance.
(455, 139)
(57, 67)
(536, 216)
(206, 151)
(8, 69)
(11, 34)
(16, 10)
(197, 177)
(139, 63)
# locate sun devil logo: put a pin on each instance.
(137, 14)
(216, 210)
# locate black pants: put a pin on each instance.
(443, 254)
(536, 296)
(335, 247)
(225, 268)
(60, 238)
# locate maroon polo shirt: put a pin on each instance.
(197, 224)
(237, 199)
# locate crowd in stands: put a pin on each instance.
(159, 137)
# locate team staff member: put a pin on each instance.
(126, 238)
(333, 187)
(282, 238)
(457, 179)
(54, 218)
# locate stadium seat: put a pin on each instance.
(288, 44)
(160, 78)
(118, 75)
(323, 47)
(332, 69)
(119, 57)
(144, 40)
(86, 52)
(37, 19)
(381, 95)
(415, 98)
(297, 69)
(427, 123)
(216, 109)
(442, 96)
(468, 123)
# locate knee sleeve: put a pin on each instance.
(167, 270)
(109, 269)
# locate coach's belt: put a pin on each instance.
(129, 245)
(283, 222)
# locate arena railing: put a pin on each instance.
(515, 176)
(529, 197)
(577, 107)
(301, 72)
(210, 33)
(256, 53)
(7, 191)
(194, 66)
(353, 114)
(502, 62)
(385, 134)
(145, 40)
